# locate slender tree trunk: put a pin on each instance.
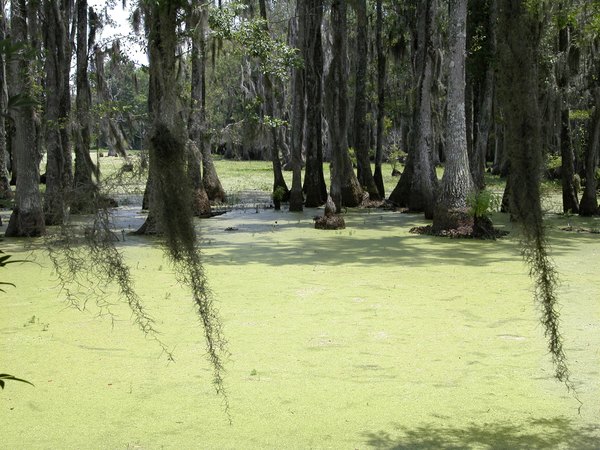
(484, 124)
(569, 191)
(27, 218)
(361, 137)
(451, 209)
(116, 142)
(197, 118)
(210, 178)
(381, 64)
(278, 180)
(85, 191)
(419, 172)
(345, 188)
(5, 190)
(589, 200)
(486, 106)
(298, 109)
(312, 51)
(59, 174)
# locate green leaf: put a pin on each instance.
(5, 376)
(20, 101)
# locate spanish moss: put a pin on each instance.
(173, 203)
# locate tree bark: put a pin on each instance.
(486, 105)
(5, 190)
(85, 191)
(381, 64)
(298, 115)
(312, 52)
(420, 173)
(569, 191)
(278, 180)
(518, 83)
(345, 188)
(589, 199)
(170, 199)
(197, 117)
(210, 179)
(451, 208)
(59, 172)
(361, 138)
(27, 218)
(116, 142)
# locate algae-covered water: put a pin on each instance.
(370, 337)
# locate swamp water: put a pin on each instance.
(369, 337)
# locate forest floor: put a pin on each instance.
(368, 337)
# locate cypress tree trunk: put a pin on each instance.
(278, 180)
(589, 200)
(27, 218)
(197, 118)
(523, 132)
(298, 110)
(451, 208)
(361, 139)
(116, 142)
(520, 34)
(345, 188)
(5, 191)
(210, 179)
(569, 191)
(486, 105)
(59, 174)
(418, 184)
(381, 63)
(85, 191)
(312, 52)
(170, 200)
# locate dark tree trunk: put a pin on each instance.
(381, 63)
(200, 201)
(5, 190)
(312, 52)
(361, 137)
(451, 209)
(522, 31)
(170, 195)
(278, 180)
(59, 173)
(567, 173)
(27, 218)
(210, 179)
(421, 170)
(523, 133)
(486, 104)
(197, 117)
(85, 191)
(298, 110)
(589, 200)
(345, 188)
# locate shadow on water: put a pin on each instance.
(371, 238)
(535, 434)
